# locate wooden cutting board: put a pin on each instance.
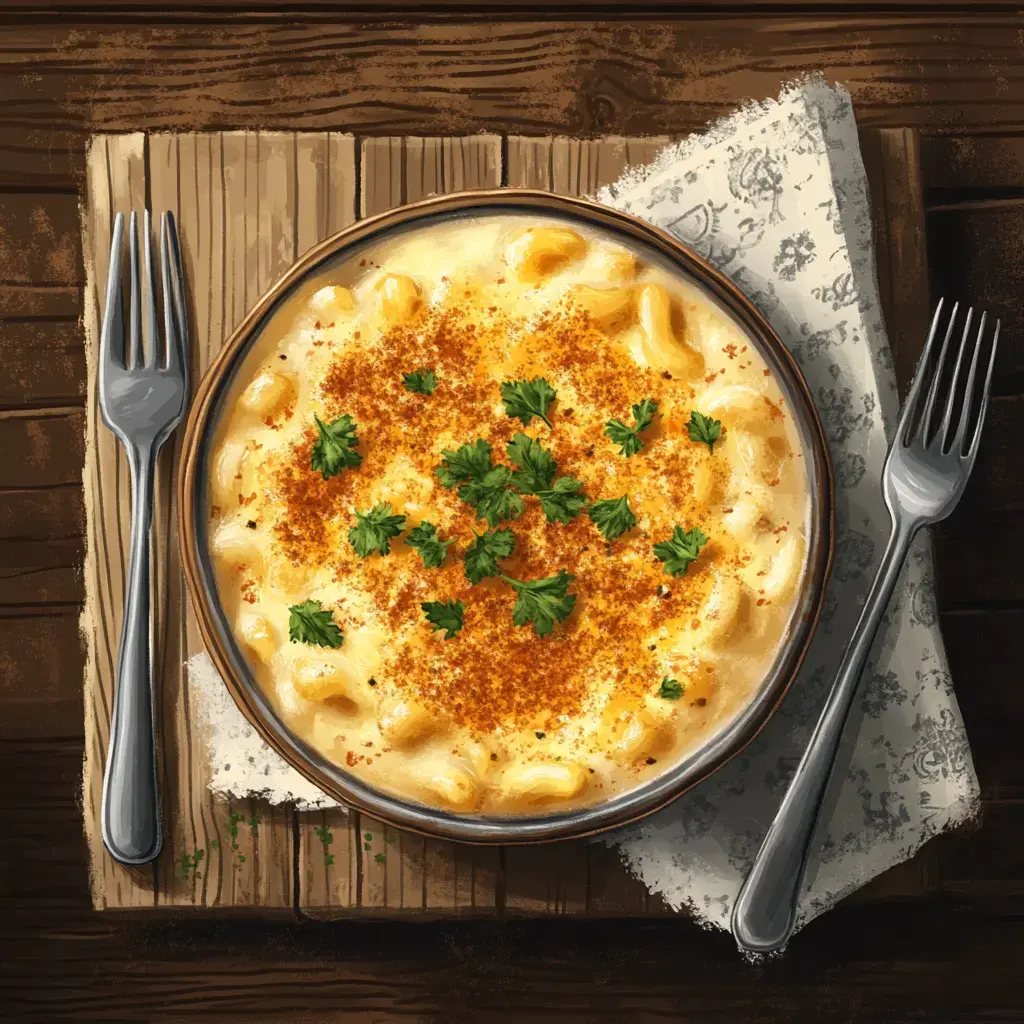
(249, 204)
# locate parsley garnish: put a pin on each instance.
(425, 540)
(542, 602)
(671, 689)
(562, 499)
(483, 486)
(525, 399)
(704, 430)
(613, 516)
(446, 615)
(470, 462)
(491, 497)
(420, 382)
(680, 549)
(335, 447)
(628, 438)
(311, 623)
(374, 529)
(482, 557)
(537, 466)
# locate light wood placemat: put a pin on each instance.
(249, 204)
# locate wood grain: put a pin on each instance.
(892, 160)
(42, 364)
(40, 654)
(577, 167)
(40, 243)
(655, 73)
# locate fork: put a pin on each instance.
(142, 396)
(923, 478)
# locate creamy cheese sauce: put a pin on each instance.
(498, 719)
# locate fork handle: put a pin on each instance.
(130, 813)
(765, 910)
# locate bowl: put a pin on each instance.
(625, 807)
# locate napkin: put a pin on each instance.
(775, 196)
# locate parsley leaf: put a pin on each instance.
(680, 549)
(561, 499)
(628, 438)
(311, 623)
(482, 557)
(425, 540)
(373, 530)
(563, 502)
(704, 430)
(613, 516)
(491, 498)
(470, 462)
(671, 689)
(446, 615)
(536, 464)
(525, 399)
(335, 447)
(542, 602)
(420, 382)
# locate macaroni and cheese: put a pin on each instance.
(506, 516)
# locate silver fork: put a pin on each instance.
(924, 475)
(142, 395)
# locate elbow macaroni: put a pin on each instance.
(392, 703)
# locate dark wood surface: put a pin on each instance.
(944, 944)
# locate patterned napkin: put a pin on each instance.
(775, 196)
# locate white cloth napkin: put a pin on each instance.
(775, 196)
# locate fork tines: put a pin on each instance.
(963, 406)
(145, 349)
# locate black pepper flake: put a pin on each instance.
(539, 734)
(282, 356)
(586, 547)
(590, 451)
(663, 591)
(652, 760)
(568, 412)
(591, 770)
(494, 757)
(701, 701)
(251, 524)
(372, 681)
(666, 374)
(653, 647)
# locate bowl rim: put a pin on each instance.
(624, 808)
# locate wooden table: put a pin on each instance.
(937, 88)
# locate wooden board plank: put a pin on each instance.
(40, 666)
(39, 239)
(33, 300)
(42, 363)
(658, 72)
(368, 865)
(976, 163)
(42, 513)
(42, 448)
(892, 160)
(577, 167)
(35, 158)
